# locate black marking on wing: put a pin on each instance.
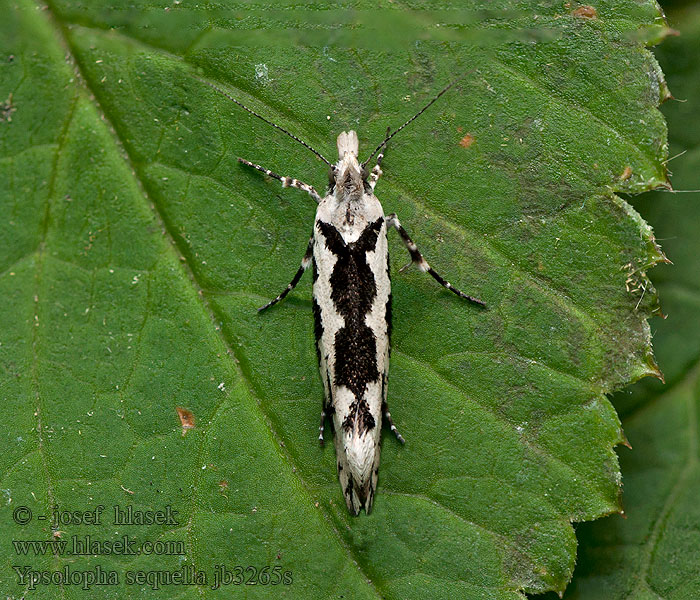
(353, 291)
(348, 488)
(331, 408)
(352, 280)
(318, 324)
(359, 411)
(355, 357)
(364, 493)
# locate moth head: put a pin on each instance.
(345, 179)
(348, 144)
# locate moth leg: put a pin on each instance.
(326, 411)
(377, 169)
(286, 181)
(387, 416)
(416, 257)
(297, 276)
(322, 425)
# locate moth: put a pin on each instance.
(349, 256)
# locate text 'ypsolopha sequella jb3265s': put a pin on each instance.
(349, 255)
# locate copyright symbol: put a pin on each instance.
(22, 515)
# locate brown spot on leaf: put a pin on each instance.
(466, 141)
(586, 11)
(186, 419)
(223, 485)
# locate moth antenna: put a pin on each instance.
(414, 117)
(252, 112)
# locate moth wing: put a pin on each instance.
(357, 496)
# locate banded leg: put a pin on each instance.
(387, 416)
(324, 414)
(286, 181)
(377, 169)
(297, 276)
(416, 257)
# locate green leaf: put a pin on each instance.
(653, 552)
(134, 250)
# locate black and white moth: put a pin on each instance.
(349, 255)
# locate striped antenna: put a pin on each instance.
(252, 112)
(414, 117)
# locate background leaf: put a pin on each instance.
(134, 251)
(653, 552)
